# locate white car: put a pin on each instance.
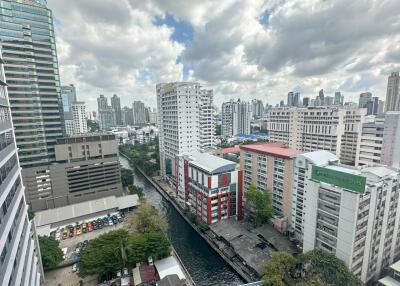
(126, 273)
(74, 268)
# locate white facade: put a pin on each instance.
(358, 223)
(322, 128)
(207, 120)
(20, 262)
(236, 118)
(78, 124)
(180, 112)
(380, 140)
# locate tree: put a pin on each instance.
(126, 177)
(50, 251)
(105, 254)
(146, 219)
(280, 265)
(142, 246)
(260, 205)
(93, 126)
(328, 267)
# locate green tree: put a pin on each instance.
(126, 177)
(50, 251)
(142, 246)
(259, 204)
(105, 254)
(329, 268)
(146, 219)
(279, 267)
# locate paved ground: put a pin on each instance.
(65, 277)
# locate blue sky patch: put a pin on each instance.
(264, 18)
(183, 31)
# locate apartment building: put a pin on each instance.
(393, 92)
(210, 187)
(321, 128)
(380, 139)
(269, 167)
(20, 262)
(236, 118)
(301, 165)
(78, 123)
(86, 168)
(353, 213)
(182, 106)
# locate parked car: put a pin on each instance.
(78, 231)
(114, 219)
(58, 235)
(90, 227)
(110, 222)
(74, 268)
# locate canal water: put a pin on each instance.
(203, 264)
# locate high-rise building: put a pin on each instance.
(207, 120)
(393, 92)
(20, 262)
(296, 99)
(78, 124)
(354, 214)
(106, 113)
(290, 97)
(68, 96)
(139, 113)
(116, 105)
(210, 187)
(325, 128)
(306, 101)
(179, 110)
(31, 69)
(127, 116)
(370, 103)
(380, 139)
(338, 98)
(236, 118)
(364, 98)
(153, 116)
(269, 167)
(329, 101)
(257, 108)
(321, 97)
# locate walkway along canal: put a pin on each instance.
(204, 265)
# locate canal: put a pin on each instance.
(203, 264)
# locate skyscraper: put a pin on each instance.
(179, 106)
(338, 98)
(321, 97)
(139, 112)
(257, 108)
(364, 98)
(296, 99)
(127, 116)
(31, 67)
(290, 97)
(393, 92)
(236, 118)
(20, 262)
(106, 113)
(116, 105)
(68, 96)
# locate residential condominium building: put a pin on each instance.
(20, 262)
(380, 139)
(31, 68)
(116, 105)
(107, 117)
(78, 124)
(269, 167)
(181, 107)
(257, 108)
(210, 187)
(127, 116)
(393, 92)
(334, 129)
(139, 113)
(236, 118)
(353, 213)
(207, 120)
(86, 168)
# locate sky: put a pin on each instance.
(241, 49)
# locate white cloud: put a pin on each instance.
(114, 47)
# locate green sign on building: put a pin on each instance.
(340, 179)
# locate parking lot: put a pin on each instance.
(65, 277)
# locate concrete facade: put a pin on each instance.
(86, 168)
(236, 118)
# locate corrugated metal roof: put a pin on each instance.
(211, 163)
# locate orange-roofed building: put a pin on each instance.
(269, 167)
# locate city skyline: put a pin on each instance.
(172, 40)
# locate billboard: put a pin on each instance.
(340, 179)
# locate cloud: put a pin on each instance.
(247, 49)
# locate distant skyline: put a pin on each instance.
(242, 49)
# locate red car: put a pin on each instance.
(90, 227)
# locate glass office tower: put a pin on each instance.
(31, 68)
(20, 262)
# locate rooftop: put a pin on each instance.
(85, 208)
(276, 149)
(210, 163)
(235, 149)
(320, 157)
(169, 266)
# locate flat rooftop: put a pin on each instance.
(275, 149)
(69, 212)
(211, 163)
